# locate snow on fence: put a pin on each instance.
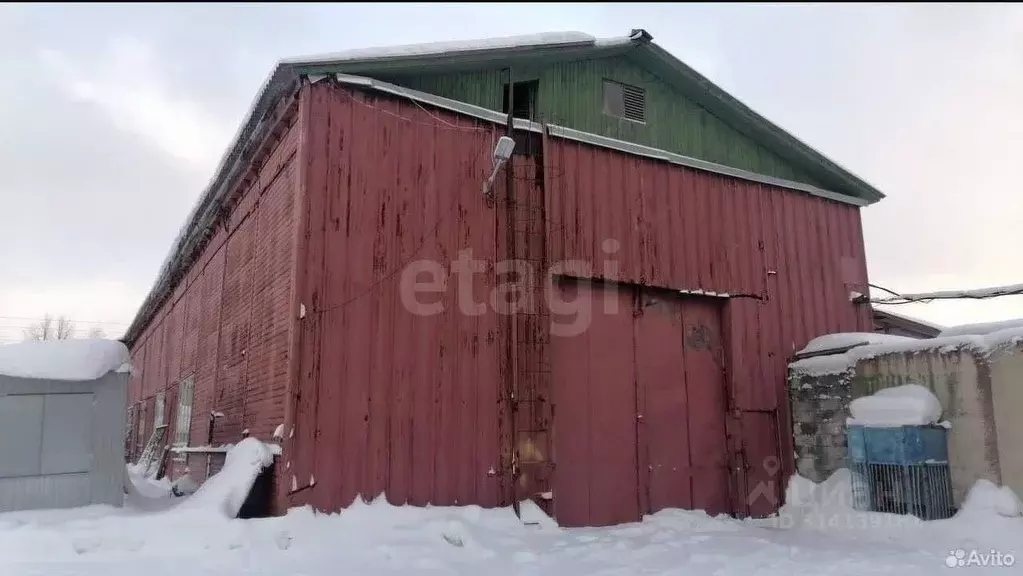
(974, 377)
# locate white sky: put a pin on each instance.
(112, 119)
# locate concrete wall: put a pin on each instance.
(962, 384)
(63, 442)
(1005, 366)
(980, 390)
(227, 324)
(820, 406)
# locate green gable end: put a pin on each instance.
(627, 89)
(571, 94)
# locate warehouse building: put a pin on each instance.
(343, 284)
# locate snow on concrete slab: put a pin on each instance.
(907, 405)
(63, 359)
(846, 361)
(981, 328)
(844, 340)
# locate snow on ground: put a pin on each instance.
(85, 359)
(226, 490)
(907, 405)
(815, 533)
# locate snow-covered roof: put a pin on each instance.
(982, 328)
(63, 359)
(529, 41)
(906, 405)
(845, 340)
(285, 79)
(846, 361)
(909, 324)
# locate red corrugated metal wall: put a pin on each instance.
(787, 260)
(391, 397)
(641, 406)
(228, 322)
(442, 406)
(419, 406)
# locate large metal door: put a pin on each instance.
(705, 384)
(639, 407)
(680, 383)
(594, 407)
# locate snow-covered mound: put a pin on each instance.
(838, 363)
(63, 359)
(845, 340)
(138, 485)
(226, 490)
(908, 405)
(981, 329)
(380, 538)
(984, 522)
(985, 497)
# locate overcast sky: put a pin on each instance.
(113, 118)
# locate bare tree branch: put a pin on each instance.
(49, 329)
(42, 330)
(65, 328)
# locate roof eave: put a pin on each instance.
(429, 62)
(225, 176)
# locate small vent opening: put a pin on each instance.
(624, 101)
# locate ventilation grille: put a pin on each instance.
(624, 101)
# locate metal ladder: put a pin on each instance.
(146, 459)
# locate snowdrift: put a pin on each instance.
(907, 405)
(226, 490)
(200, 536)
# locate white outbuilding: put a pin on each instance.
(62, 423)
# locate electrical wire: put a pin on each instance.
(981, 294)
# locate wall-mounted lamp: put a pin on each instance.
(502, 152)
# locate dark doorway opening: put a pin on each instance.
(524, 99)
(259, 503)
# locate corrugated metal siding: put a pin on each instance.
(388, 400)
(482, 88)
(228, 323)
(64, 442)
(415, 405)
(789, 260)
(571, 94)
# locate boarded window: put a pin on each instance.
(158, 411)
(141, 428)
(186, 392)
(624, 101)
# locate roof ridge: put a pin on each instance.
(551, 39)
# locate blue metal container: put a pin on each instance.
(901, 470)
